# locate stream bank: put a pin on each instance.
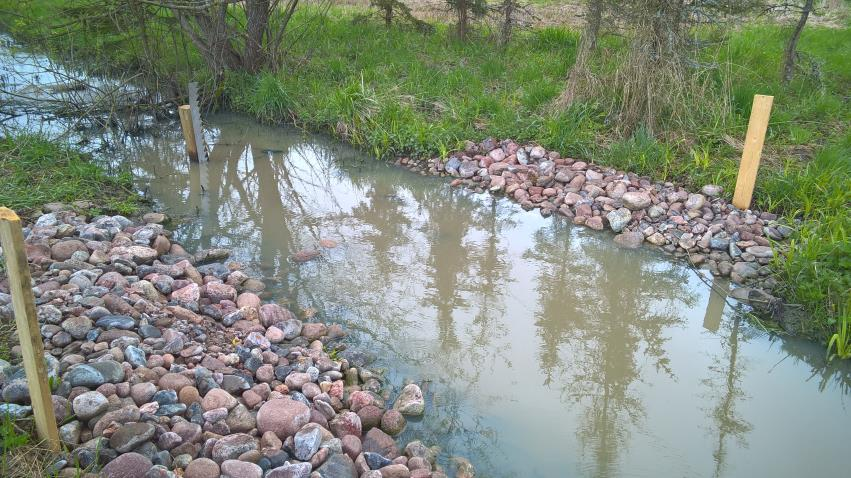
(702, 228)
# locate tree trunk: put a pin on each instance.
(508, 12)
(388, 13)
(462, 19)
(587, 45)
(256, 21)
(792, 47)
(588, 42)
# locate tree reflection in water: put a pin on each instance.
(598, 325)
(437, 281)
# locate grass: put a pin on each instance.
(35, 171)
(396, 92)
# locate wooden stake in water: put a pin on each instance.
(197, 129)
(185, 112)
(757, 126)
(26, 320)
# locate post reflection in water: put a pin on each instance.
(544, 350)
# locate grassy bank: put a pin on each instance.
(397, 92)
(35, 171)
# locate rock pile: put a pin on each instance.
(702, 226)
(169, 364)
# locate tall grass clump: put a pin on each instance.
(816, 271)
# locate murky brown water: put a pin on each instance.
(548, 351)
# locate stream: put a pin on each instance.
(543, 349)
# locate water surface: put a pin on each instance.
(545, 350)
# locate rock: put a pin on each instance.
(84, 376)
(122, 322)
(711, 190)
(376, 461)
(240, 469)
(296, 380)
(142, 392)
(187, 294)
(189, 432)
(78, 327)
(202, 468)
(125, 414)
(231, 446)
(217, 292)
(169, 440)
(15, 411)
(135, 356)
(313, 331)
(746, 270)
(174, 381)
(338, 465)
(256, 339)
(468, 169)
(346, 423)
(283, 416)
(619, 218)
(393, 422)
(128, 465)
(635, 201)
(760, 251)
(69, 433)
(294, 470)
(307, 441)
(131, 436)
(240, 419)
(695, 201)
(410, 401)
(376, 441)
(305, 255)
(154, 218)
(89, 405)
(629, 240)
(463, 467)
(351, 446)
(396, 470)
(16, 391)
(595, 223)
(63, 250)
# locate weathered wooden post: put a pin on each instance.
(26, 320)
(757, 126)
(185, 112)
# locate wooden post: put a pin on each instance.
(26, 320)
(754, 140)
(185, 112)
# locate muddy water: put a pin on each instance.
(545, 350)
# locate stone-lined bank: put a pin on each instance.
(170, 364)
(703, 226)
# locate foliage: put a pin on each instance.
(465, 11)
(395, 9)
(841, 340)
(10, 436)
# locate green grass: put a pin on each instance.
(35, 170)
(400, 93)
